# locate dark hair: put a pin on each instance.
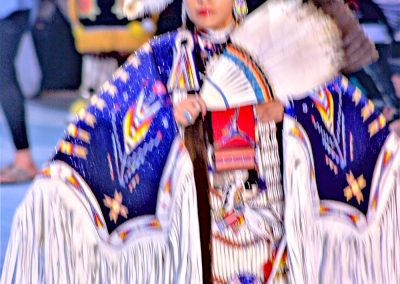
(170, 18)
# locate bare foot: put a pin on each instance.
(23, 159)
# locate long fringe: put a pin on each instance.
(327, 250)
(53, 240)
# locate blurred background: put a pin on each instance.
(69, 48)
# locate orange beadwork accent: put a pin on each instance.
(354, 218)
(374, 203)
(375, 126)
(123, 235)
(326, 111)
(99, 224)
(116, 207)
(323, 210)
(355, 187)
(155, 224)
(357, 96)
(367, 110)
(46, 171)
(387, 157)
(168, 187)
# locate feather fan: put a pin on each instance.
(282, 50)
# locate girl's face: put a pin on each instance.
(210, 14)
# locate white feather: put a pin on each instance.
(296, 46)
(134, 9)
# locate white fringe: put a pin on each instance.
(53, 240)
(328, 250)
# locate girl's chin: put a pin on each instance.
(208, 25)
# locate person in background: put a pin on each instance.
(377, 79)
(105, 38)
(391, 10)
(15, 19)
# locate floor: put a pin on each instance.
(47, 118)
